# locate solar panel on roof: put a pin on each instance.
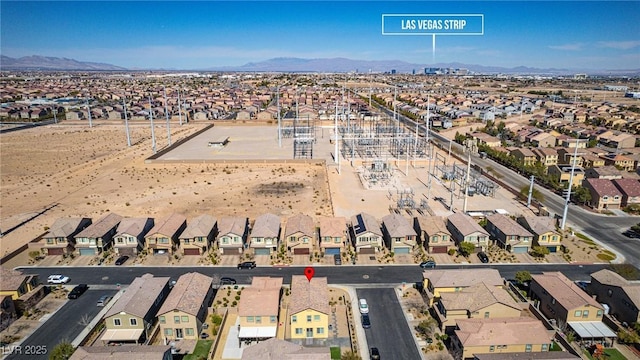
(359, 227)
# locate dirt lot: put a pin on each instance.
(77, 171)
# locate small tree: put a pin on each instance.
(425, 327)
(539, 251)
(62, 351)
(466, 248)
(350, 355)
(523, 276)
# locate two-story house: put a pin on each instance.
(604, 194)
(543, 230)
(259, 309)
(621, 295)
(232, 234)
(97, 237)
(131, 317)
(464, 229)
(185, 309)
(333, 235)
(129, 238)
(366, 233)
(309, 311)
(265, 234)
(509, 234)
(299, 234)
(163, 237)
(434, 234)
(398, 234)
(197, 237)
(630, 190)
(436, 282)
(60, 239)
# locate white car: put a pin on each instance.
(364, 307)
(57, 279)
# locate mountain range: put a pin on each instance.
(290, 64)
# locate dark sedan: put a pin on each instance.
(122, 259)
(77, 291)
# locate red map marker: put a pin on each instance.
(309, 272)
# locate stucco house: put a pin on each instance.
(508, 234)
(197, 237)
(129, 238)
(97, 237)
(259, 309)
(60, 238)
(366, 233)
(265, 234)
(309, 311)
(163, 237)
(299, 234)
(464, 229)
(398, 233)
(333, 235)
(232, 234)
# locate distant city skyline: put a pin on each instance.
(208, 34)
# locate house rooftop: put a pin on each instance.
(462, 277)
(433, 224)
(276, 349)
(539, 224)
(131, 226)
(299, 223)
(101, 227)
(267, 226)
(188, 294)
(477, 297)
(169, 225)
(64, 227)
(262, 298)
(507, 225)
(564, 291)
(333, 226)
(603, 187)
(502, 331)
(629, 187)
(138, 352)
(398, 226)
(364, 222)
(305, 294)
(236, 225)
(200, 226)
(139, 296)
(465, 224)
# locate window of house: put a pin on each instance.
(486, 314)
(316, 317)
(585, 314)
(305, 240)
(258, 319)
(545, 347)
(527, 348)
(189, 331)
(308, 318)
(168, 332)
(133, 322)
(599, 313)
(49, 241)
(298, 331)
(250, 319)
(553, 301)
(319, 330)
(162, 319)
(184, 319)
(492, 348)
(273, 319)
(578, 313)
(435, 238)
(117, 322)
(225, 240)
(605, 198)
(294, 318)
(176, 319)
(186, 241)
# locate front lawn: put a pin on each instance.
(201, 351)
(609, 354)
(335, 353)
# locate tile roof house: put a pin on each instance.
(131, 317)
(604, 172)
(308, 312)
(276, 349)
(60, 238)
(621, 295)
(265, 234)
(464, 229)
(97, 237)
(197, 237)
(476, 301)
(366, 233)
(232, 234)
(300, 234)
(620, 161)
(147, 352)
(506, 335)
(185, 309)
(604, 194)
(561, 299)
(630, 189)
(547, 156)
(525, 156)
(436, 282)
(433, 232)
(16, 284)
(544, 231)
(129, 238)
(163, 237)
(398, 233)
(259, 309)
(509, 235)
(333, 235)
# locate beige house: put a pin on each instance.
(621, 295)
(503, 335)
(129, 239)
(163, 237)
(265, 234)
(604, 194)
(97, 237)
(132, 316)
(259, 309)
(308, 311)
(147, 352)
(186, 308)
(299, 234)
(437, 282)
(464, 229)
(276, 349)
(547, 156)
(562, 174)
(543, 230)
(232, 234)
(432, 230)
(60, 239)
(508, 234)
(398, 234)
(477, 301)
(366, 234)
(197, 237)
(333, 235)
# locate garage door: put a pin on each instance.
(55, 251)
(332, 251)
(552, 249)
(302, 251)
(520, 250)
(439, 250)
(263, 251)
(403, 250)
(192, 251)
(87, 252)
(129, 251)
(367, 250)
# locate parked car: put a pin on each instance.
(632, 234)
(247, 265)
(122, 259)
(429, 264)
(366, 322)
(483, 257)
(57, 279)
(337, 260)
(77, 291)
(374, 353)
(227, 281)
(104, 300)
(364, 307)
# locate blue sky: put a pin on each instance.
(205, 34)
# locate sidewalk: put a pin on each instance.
(363, 347)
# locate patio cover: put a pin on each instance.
(122, 335)
(591, 329)
(257, 332)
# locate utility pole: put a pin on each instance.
(166, 114)
(54, 111)
(153, 132)
(567, 200)
(179, 108)
(89, 112)
(530, 191)
(279, 127)
(126, 121)
(466, 182)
